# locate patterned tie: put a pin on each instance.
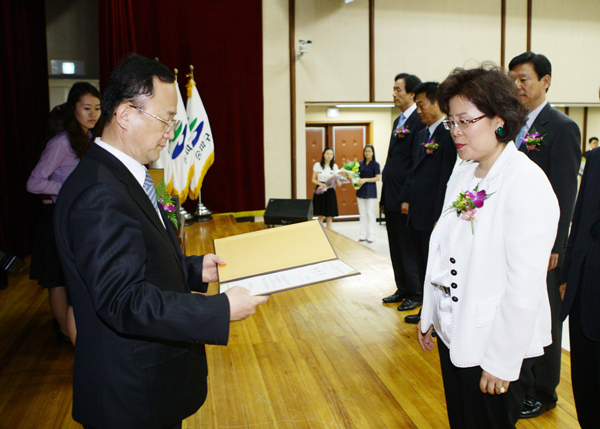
(402, 120)
(519, 139)
(149, 189)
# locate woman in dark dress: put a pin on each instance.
(325, 203)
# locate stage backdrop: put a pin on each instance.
(223, 41)
(23, 118)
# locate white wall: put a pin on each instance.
(427, 38)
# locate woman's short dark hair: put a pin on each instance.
(372, 148)
(133, 81)
(79, 140)
(491, 90)
(323, 158)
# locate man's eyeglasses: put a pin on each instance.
(462, 123)
(173, 124)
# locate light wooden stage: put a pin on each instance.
(324, 356)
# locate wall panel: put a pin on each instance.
(430, 38)
(568, 33)
(276, 75)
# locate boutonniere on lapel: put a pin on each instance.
(431, 146)
(400, 132)
(533, 140)
(165, 201)
(467, 203)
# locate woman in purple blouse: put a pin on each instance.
(59, 159)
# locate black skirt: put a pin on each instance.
(325, 204)
(45, 262)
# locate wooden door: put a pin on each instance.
(315, 144)
(347, 142)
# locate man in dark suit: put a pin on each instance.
(593, 143)
(139, 355)
(395, 172)
(552, 140)
(423, 193)
(581, 292)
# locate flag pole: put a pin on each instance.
(183, 213)
(202, 214)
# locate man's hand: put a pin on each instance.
(241, 304)
(553, 261)
(209, 267)
(492, 385)
(562, 289)
(425, 340)
(404, 208)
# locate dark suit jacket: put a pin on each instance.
(425, 188)
(581, 268)
(139, 358)
(559, 156)
(399, 163)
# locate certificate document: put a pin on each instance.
(279, 259)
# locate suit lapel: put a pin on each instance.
(136, 192)
(420, 151)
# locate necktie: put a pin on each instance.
(427, 134)
(149, 189)
(402, 120)
(519, 139)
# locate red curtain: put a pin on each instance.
(24, 109)
(117, 34)
(223, 41)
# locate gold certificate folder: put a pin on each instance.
(272, 250)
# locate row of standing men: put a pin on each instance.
(414, 184)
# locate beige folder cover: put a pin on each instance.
(274, 249)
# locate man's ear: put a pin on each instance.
(123, 116)
(546, 82)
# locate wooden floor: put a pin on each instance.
(325, 356)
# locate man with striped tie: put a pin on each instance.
(139, 356)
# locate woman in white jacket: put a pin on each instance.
(485, 287)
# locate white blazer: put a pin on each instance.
(500, 307)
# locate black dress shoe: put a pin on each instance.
(533, 408)
(409, 304)
(397, 297)
(413, 319)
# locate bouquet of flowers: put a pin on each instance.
(351, 170)
(467, 203)
(332, 182)
(164, 199)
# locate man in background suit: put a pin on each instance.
(139, 356)
(558, 153)
(593, 143)
(395, 172)
(581, 292)
(423, 193)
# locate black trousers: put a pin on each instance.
(546, 370)
(420, 244)
(401, 253)
(585, 370)
(469, 408)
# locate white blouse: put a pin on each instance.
(324, 174)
